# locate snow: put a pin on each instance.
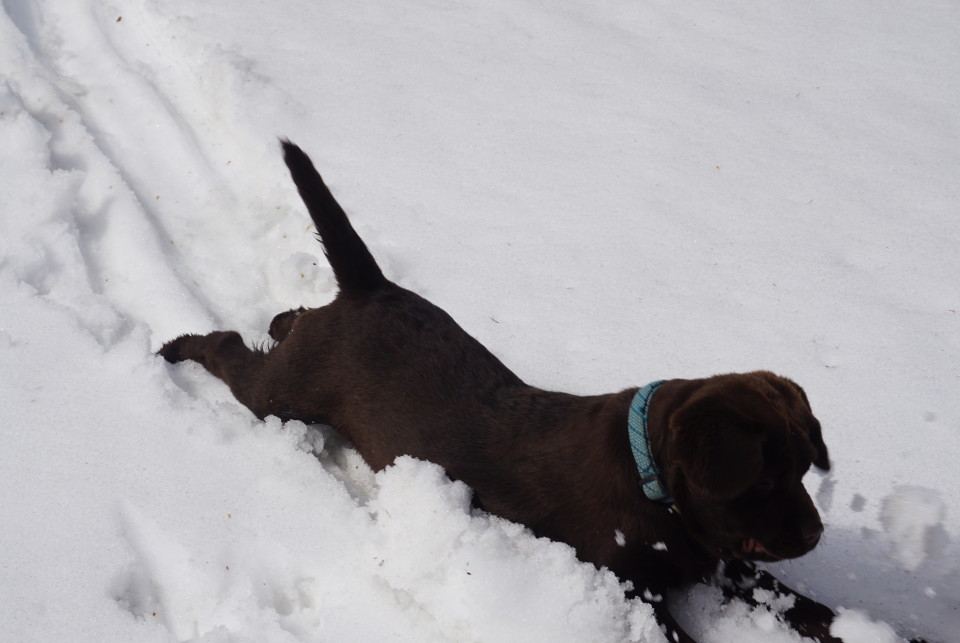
(912, 518)
(854, 627)
(603, 193)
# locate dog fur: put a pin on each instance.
(395, 375)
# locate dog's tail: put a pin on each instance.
(353, 266)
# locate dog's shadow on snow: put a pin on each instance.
(341, 460)
(860, 569)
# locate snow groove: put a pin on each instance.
(104, 114)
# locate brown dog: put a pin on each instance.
(659, 484)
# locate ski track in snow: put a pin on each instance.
(136, 152)
(100, 109)
(79, 117)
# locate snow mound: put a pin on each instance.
(503, 569)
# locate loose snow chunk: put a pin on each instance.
(779, 602)
(856, 627)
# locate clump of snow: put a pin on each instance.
(709, 619)
(912, 517)
(853, 626)
(469, 565)
(779, 602)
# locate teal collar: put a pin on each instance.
(653, 487)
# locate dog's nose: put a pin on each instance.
(811, 535)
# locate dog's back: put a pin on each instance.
(396, 375)
(391, 371)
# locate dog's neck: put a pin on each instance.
(638, 425)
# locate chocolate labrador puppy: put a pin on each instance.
(663, 484)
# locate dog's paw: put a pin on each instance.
(172, 351)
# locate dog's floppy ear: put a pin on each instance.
(719, 458)
(821, 459)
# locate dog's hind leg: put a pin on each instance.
(224, 354)
(282, 324)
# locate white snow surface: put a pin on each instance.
(604, 193)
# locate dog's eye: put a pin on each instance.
(764, 487)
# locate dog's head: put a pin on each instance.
(736, 450)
